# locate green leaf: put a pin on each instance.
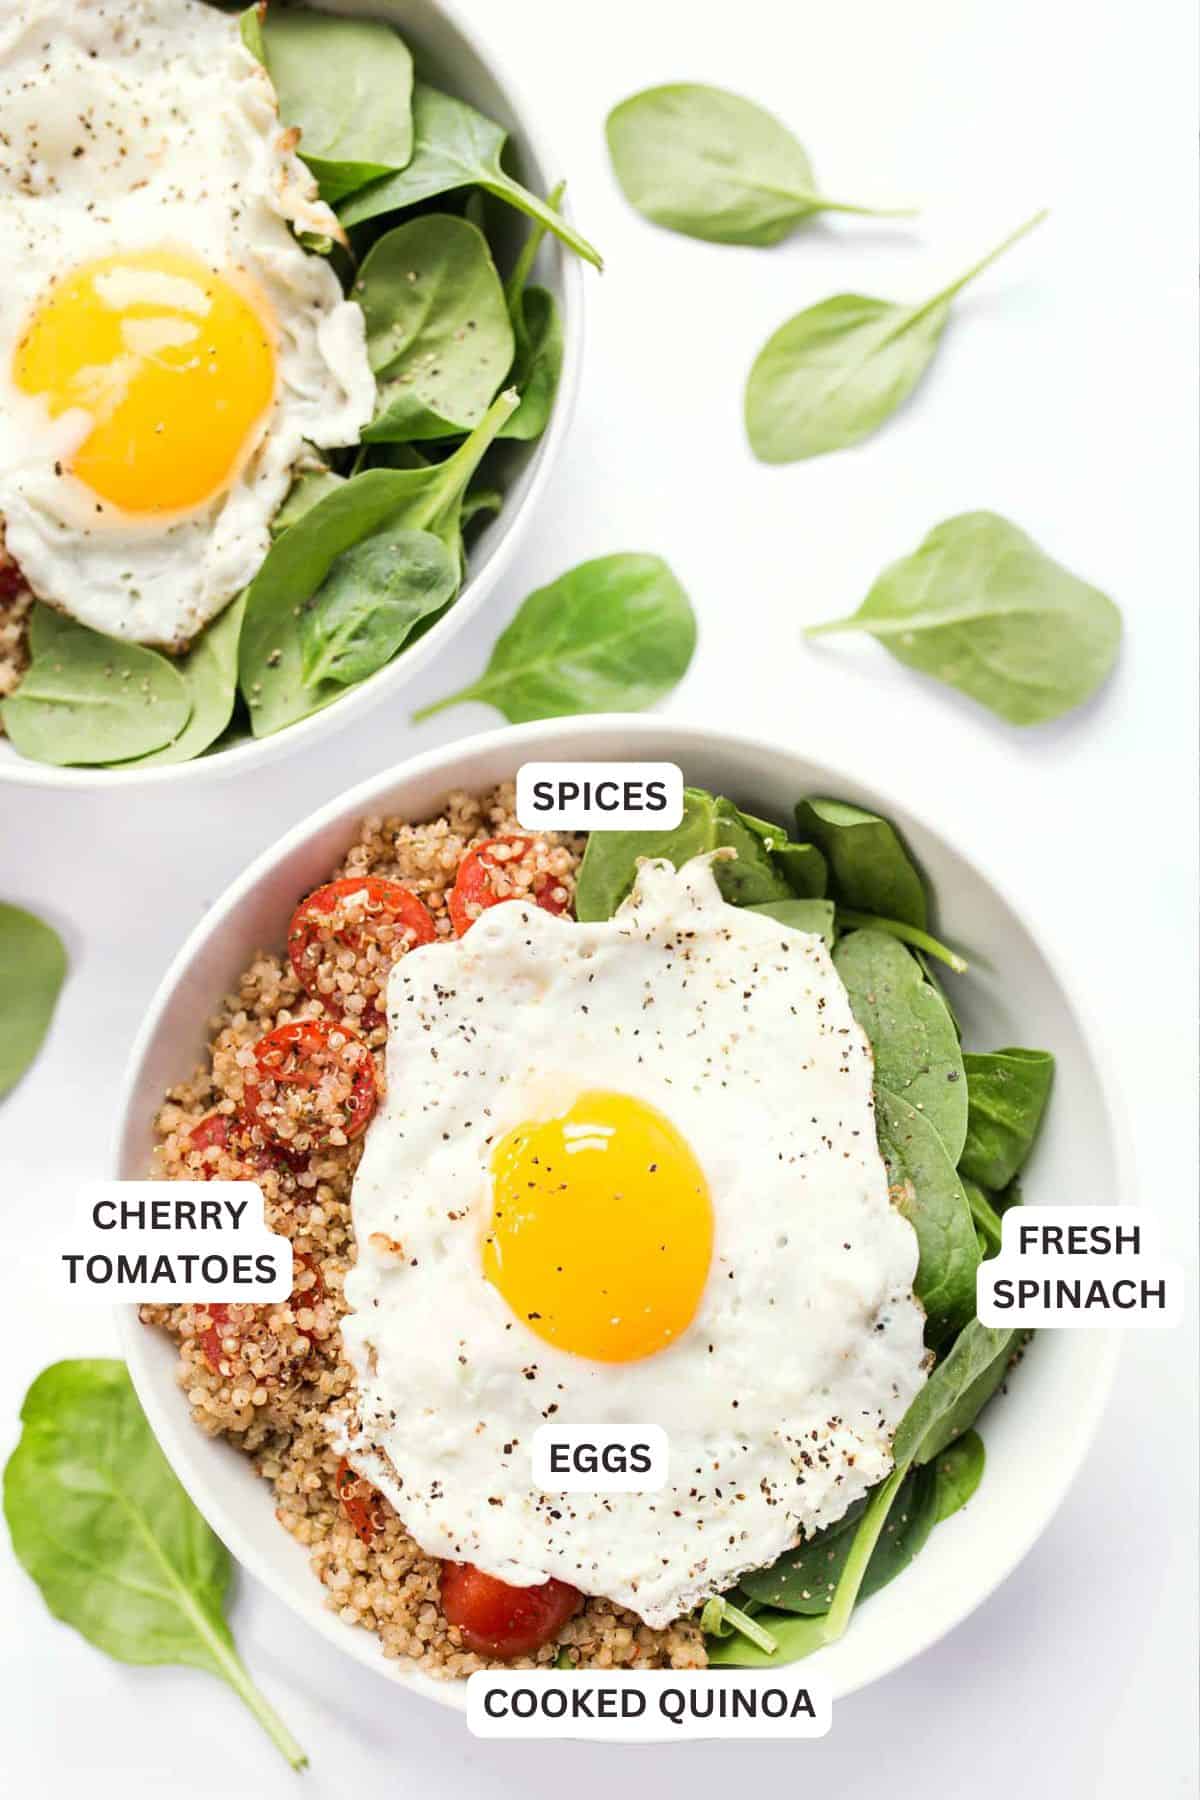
(209, 672)
(712, 165)
(980, 607)
(802, 915)
(426, 498)
(538, 336)
(347, 84)
(87, 698)
(917, 1054)
(33, 964)
(1007, 1091)
(455, 147)
(919, 942)
(955, 1393)
(304, 493)
(927, 1191)
(613, 634)
(869, 867)
(958, 1472)
(439, 336)
(100, 1523)
(984, 1217)
(370, 602)
(610, 859)
(833, 374)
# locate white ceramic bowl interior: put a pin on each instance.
(447, 54)
(1036, 1435)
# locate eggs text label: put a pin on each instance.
(652, 1706)
(599, 796)
(599, 1459)
(155, 1241)
(1078, 1268)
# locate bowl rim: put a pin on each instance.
(520, 741)
(252, 753)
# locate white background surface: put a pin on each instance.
(1064, 398)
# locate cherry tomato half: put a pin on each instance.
(361, 1503)
(302, 1056)
(327, 913)
(495, 1619)
(482, 871)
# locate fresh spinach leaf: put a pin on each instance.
(209, 672)
(1007, 1091)
(959, 1471)
(980, 607)
(801, 915)
(984, 1216)
(479, 503)
(455, 147)
(33, 965)
(347, 85)
(101, 1524)
(833, 374)
(922, 945)
(369, 603)
(713, 165)
(802, 1580)
(87, 698)
(917, 1054)
(538, 336)
(305, 491)
(610, 858)
(439, 337)
(427, 498)
(721, 1616)
(956, 1392)
(870, 870)
(928, 1192)
(614, 633)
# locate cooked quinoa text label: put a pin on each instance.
(142, 1241)
(650, 1706)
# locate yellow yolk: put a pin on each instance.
(173, 364)
(602, 1228)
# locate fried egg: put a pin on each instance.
(627, 1173)
(167, 346)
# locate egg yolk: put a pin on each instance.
(601, 1231)
(173, 364)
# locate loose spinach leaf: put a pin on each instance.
(371, 600)
(922, 945)
(610, 859)
(87, 698)
(928, 1192)
(101, 1524)
(870, 869)
(712, 165)
(614, 633)
(455, 147)
(305, 491)
(917, 1054)
(1007, 1091)
(347, 85)
(209, 672)
(833, 374)
(803, 1579)
(538, 336)
(959, 1471)
(33, 964)
(956, 1392)
(427, 498)
(438, 332)
(982, 608)
(801, 915)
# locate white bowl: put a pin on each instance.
(448, 53)
(1037, 1435)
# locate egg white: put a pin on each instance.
(139, 124)
(781, 1398)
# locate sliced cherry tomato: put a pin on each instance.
(481, 882)
(212, 1338)
(327, 914)
(494, 1619)
(361, 1503)
(222, 1131)
(302, 1055)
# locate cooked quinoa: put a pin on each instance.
(269, 1377)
